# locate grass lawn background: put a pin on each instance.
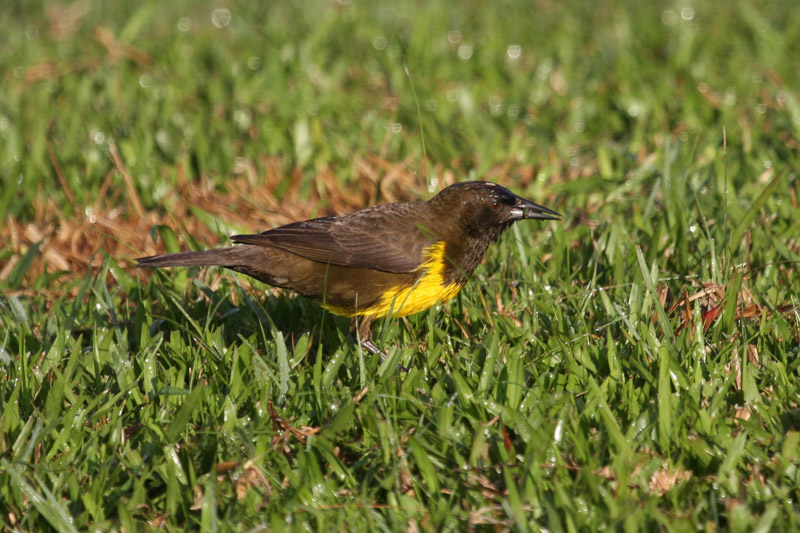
(634, 366)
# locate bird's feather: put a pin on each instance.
(389, 238)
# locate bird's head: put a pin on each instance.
(486, 209)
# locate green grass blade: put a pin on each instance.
(191, 403)
(758, 204)
(42, 499)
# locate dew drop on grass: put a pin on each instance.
(97, 136)
(221, 17)
(514, 51)
(669, 17)
(317, 490)
(379, 42)
(164, 140)
(184, 24)
(544, 69)
(558, 434)
(496, 106)
(242, 118)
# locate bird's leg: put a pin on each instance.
(371, 348)
(361, 329)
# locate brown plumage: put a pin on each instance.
(391, 259)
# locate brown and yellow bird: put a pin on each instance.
(388, 260)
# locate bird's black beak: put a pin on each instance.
(527, 209)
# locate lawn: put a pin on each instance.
(634, 366)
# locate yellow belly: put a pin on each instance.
(430, 289)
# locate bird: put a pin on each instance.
(394, 259)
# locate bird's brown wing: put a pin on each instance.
(389, 237)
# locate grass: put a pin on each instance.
(634, 367)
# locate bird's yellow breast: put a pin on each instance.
(430, 288)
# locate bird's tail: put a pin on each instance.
(224, 257)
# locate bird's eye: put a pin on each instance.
(495, 204)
